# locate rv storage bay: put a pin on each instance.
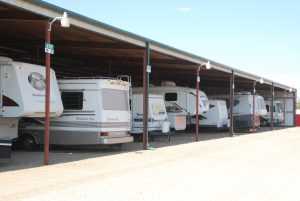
(261, 166)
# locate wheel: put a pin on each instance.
(137, 138)
(28, 143)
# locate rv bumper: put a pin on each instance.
(116, 140)
(5, 150)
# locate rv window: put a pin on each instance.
(211, 106)
(173, 107)
(72, 100)
(268, 108)
(171, 97)
(114, 99)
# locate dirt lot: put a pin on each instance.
(261, 166)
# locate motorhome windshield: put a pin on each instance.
(114, 99)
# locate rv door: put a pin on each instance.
(157, 108)
(192, 102)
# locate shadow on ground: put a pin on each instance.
(24, 159)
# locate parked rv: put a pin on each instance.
(184, 97)
(157, 114)
(278, 116)
(23, 95)
(96, 111)
(216, 116)
(243, 110)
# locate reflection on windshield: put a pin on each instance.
(173, 107)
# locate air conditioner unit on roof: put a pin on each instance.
(168, 84)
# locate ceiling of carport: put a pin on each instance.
(80, 52)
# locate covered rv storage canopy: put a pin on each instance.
(90, 49)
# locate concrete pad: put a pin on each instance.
(260, 166)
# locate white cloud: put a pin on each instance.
(184, 9)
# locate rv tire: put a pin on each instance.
(28, 142)
(137, 137)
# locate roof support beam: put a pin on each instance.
(9, 20)
(146, 73)
(43, 10)
(231, 100)
(68, 44)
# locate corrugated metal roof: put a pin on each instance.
(49, 10)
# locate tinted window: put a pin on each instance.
(268, 108)
(211, 106)
(171, 97)
(72, 100)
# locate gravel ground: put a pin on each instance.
(263, 166)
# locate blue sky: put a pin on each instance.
(262, 37)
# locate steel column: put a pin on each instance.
(146, 72)
(231, 99)
(47, 98)
(253, 111)
(272, 106)
(197, 104)
(295, 107)
(284, 109)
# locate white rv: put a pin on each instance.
(157, 115)
(216, 116)
(96, 111)
(278, 115)
(184, 97)
(23, 95)
(243, 110)
(289, 112)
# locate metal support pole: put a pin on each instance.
(284, 109)
(272, 106)
(295, 107)
(146, 72)
(253, 112)
(197, 105)
(231, 100)
(47, 98)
